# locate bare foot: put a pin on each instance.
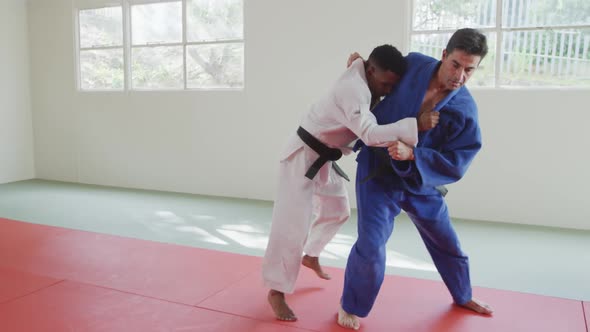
(478, 306)
(347, 320)
(314, 264)
(280, 307)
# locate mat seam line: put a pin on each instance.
(584, 315)
(32, 292)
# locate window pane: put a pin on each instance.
(546, 58)
(210, 20)
(156, 23)
(434, 44)
(539, 13)
(430, 44)
(101, 69)
(101, 27)
(157, 67)
(215, 66)
(454, 14)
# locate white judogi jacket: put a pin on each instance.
(344, 114)
(308, 213)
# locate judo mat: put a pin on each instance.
(57, 279)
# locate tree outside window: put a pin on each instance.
(159, 45)
(532, 42)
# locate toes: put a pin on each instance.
(347, 320)
(349, 323)
(287, 318)
(280, 307)
(479, 307)
(487, 310)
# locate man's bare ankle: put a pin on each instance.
(313, 263)
(309, 258)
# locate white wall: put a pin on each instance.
(227, 143)
(16, 132)
(533, 168)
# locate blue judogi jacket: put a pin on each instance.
(443, 153)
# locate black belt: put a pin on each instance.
(384, 168)
(326, 154)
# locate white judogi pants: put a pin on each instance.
(306, 216)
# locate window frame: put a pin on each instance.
(81, 5)
(499, 30)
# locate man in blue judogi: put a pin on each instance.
(412, 178)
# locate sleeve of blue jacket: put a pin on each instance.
(446, 151)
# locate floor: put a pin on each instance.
(528, 260)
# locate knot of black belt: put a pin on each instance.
(325, 153)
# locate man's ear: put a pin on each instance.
(444, 54)
(371, 69)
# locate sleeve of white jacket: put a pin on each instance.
(356, 116)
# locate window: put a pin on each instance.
(531, 42)
(160, 45)
(101, 49)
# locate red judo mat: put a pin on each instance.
(56, 279)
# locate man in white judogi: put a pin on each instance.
(311, 206)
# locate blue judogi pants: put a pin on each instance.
(377, 209)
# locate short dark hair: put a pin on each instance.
(387, 57)
(471, 41)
